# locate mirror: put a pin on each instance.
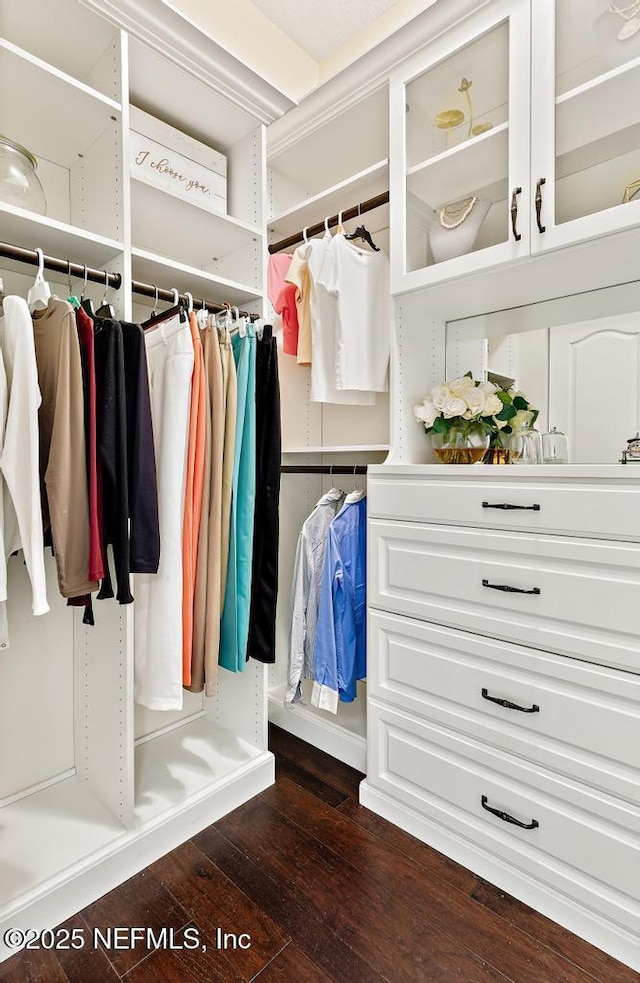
(577, 359)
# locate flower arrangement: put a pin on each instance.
(471, 408)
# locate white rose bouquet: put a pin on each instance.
(465, 403)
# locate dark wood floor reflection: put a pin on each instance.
(328, 893)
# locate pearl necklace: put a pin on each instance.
(629, 15)
(463, 211)
(625, 12)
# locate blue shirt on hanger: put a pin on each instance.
(341, 641)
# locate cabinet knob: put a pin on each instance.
(541, 227)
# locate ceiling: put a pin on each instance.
(296, 45)
(321, 28)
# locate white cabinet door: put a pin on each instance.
(453, 187)
(594, 386)
(585, 139)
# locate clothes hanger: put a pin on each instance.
(358, 493)
(363, 234)
(71, 299)
(340, 228)
(39, 293)
(326, 226)
(177, 308)
(105, 309)
(85, 302)
(202, 317)
(155, 301)
(189, 301)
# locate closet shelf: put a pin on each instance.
(453, 174)
(188, 762)
(598, 110)
(359, 187)
(152, 268)
(63, 825)
(24, 228)
(338, 449)
(57, 33)
(171, 91)
(57, 117)
(169, 226)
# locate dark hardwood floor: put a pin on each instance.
(328, 892)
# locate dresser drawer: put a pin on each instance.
(578, 719)
(497, 498)
(583, 844)
(576, 597)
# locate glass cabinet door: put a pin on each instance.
(461, 118)
(585, 119)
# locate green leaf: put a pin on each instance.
(507, 412)
(520, 403)
(440, 425)
(503, 396)
(468, 375)
(535, 416)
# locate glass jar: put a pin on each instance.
(555, 447)
(525, 446)
(464, 443)
(19, 183)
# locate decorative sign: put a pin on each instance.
(178, 165)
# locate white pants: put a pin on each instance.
(158, 597)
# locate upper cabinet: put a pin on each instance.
(517, 133)
(585, 149)
(460, 149)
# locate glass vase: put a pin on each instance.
(19, 183)
(464, 443)
(525, 446)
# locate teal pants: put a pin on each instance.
(234, 629)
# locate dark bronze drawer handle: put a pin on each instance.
(511, 508)
(506, 818)
(514, 213)
(510, 590)
(541, 182)
(508, 705)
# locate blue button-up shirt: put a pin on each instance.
(341, 642)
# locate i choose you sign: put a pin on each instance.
(167, 166)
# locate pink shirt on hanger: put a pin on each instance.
(283, 297)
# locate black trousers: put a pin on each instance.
(264, 583)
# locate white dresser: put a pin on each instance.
(504, 680)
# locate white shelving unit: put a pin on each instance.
(92, 788)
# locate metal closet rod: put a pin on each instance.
(348, 213)
(323, 469)
(30, 256)
(114, 280)
(150, 290)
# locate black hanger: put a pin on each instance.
(85, 302)
(178, 308)
(105, 310)
(363, 234)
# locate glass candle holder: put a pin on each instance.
(555, 447)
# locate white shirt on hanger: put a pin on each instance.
(20, 457)
(324, 328)
(360, 282)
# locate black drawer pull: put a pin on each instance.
(511, 590)
(511, 508)
(506, 818)
(508, 705)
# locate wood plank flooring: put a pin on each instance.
(328, 892)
